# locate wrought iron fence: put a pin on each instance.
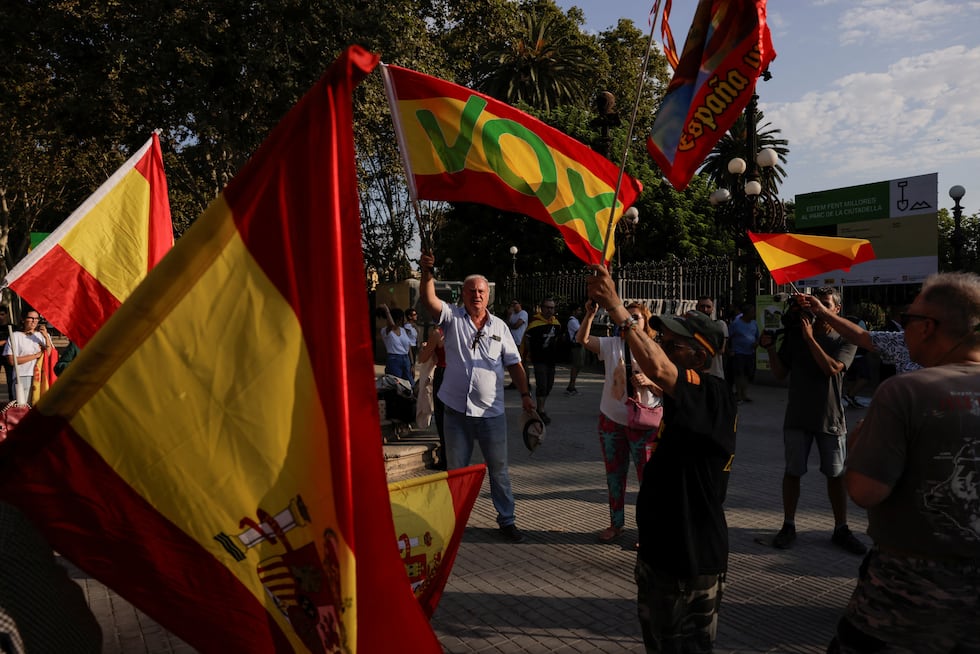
(671, 286)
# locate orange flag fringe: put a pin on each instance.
(210, 455)
(80, 274)
(667, 35)
(790, 257)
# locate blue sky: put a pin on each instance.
(864, 90)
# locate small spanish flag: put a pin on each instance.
(430, 515)
(80, 274)
(790, 257)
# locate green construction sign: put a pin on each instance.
(842, 205)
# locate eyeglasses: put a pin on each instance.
(905, 318)
(31, 318)
(476, 339)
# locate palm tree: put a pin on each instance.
(735, 144)
(540, 67)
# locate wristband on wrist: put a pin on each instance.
(430, 270)
(525, 394)
(628, 325)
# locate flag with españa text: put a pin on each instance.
(214, 454)
(727, 48)
(463, 146)
(790, 257)
(80, 274)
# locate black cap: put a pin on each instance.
(696, 325)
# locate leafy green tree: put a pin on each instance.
(545, 64)
(470, 29)
(970, 229)
(86, 83)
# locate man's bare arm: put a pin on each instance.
(427, 287)
(651, 357)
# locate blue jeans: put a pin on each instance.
(491, 433)
(399, 365)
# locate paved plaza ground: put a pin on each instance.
(562, 591)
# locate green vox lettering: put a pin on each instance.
(492, 131)
(584, 208)
(453, 157)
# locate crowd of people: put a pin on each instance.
(669, 409)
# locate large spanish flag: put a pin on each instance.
(214, 454)
(727, 48)
(790, 257)
(463, 146)
(79, 275)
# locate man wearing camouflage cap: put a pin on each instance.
(683, 548)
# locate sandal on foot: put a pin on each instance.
(609, 534)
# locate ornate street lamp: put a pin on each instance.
(958, 240)
(752, 204)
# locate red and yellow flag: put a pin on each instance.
(214, 455)
(463, 146)
(790, 257)
(430, 516)
(727, 48)
(79, 275)
(667, 35)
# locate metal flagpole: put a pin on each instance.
(629, 133)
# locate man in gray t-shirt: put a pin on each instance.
(815, 358)
(912, 463)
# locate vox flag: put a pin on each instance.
(79, 275)
(430, 516)
(727, 48)
(463, 146)
(790, 257)
(213, 455)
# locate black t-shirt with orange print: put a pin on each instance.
(683, 531)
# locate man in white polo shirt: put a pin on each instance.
(478, 348)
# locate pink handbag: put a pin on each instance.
(642, 416)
